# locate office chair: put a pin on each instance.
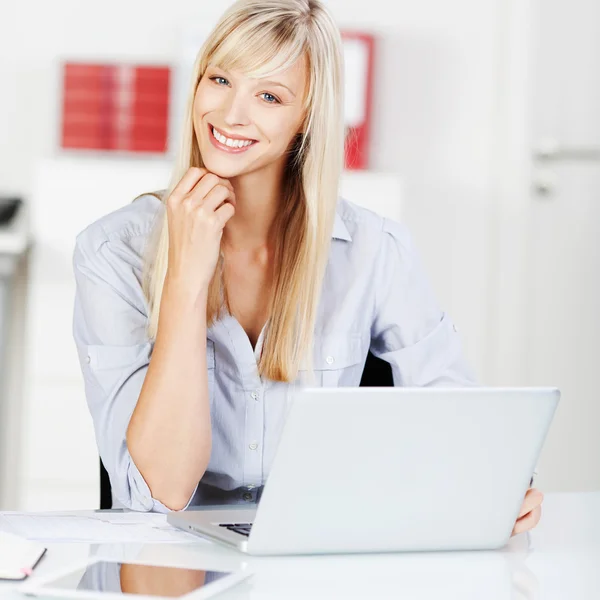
(377, 373)
(105, 489)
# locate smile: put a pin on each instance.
(231, 145)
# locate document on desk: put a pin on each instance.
(100, 528)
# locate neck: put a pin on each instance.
(258, 200)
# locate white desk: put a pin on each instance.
(559, 560)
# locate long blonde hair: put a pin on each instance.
(261, 38)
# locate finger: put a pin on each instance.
(206, 184)
(222, 181)
(224, 213)
(532, 499)
(529, 521)
(217, 196)
(187, 182)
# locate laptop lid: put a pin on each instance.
(389, 469)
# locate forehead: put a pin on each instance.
(297, 71)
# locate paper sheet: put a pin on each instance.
(100, 528)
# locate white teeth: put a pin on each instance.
(229, 142)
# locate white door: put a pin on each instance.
(562, 299)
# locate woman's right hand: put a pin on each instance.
(197, 211)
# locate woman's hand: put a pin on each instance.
(531, 511)
(197, 211)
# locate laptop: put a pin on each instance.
(390, 470)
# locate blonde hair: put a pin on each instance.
(261, 38)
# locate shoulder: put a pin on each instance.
(369, 230)
(135, 219)
(122, 233)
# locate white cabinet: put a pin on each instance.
(14, 241)
(60, 447)
(60, 460)
(59, 456)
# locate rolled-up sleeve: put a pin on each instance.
(409, 330)
(109, 328)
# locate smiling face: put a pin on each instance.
(245, 124)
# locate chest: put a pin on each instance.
(249, 287)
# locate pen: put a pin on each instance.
(533, 478)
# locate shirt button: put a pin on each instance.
(455, 328)
(254, 395)
(88, 360)
(247, 496)
(253, 446)
(329, 360)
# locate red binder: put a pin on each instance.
(115, 107)
(359, 59)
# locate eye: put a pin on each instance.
(218, 80)
(270, 99)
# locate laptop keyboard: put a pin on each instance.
(241, 528)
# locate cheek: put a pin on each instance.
(197, 112)
(204, 102)
(280, 129)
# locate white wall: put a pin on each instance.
(434, 121)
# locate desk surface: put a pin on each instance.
(558, 560)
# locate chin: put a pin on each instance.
(224, 166)
(222, 169)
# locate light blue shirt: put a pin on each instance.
(375, 297)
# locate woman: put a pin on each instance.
(191, 340)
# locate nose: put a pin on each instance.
(236, 110)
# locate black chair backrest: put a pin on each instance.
(377, 373)
(105, 488)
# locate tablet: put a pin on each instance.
(108, 578)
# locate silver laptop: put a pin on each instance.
(391, 469)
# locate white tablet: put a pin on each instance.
(115, 579)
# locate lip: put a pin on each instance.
(217, 144)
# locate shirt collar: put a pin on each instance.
(340, 231)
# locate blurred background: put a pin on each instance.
(476, 122)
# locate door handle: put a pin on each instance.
(552, 150)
